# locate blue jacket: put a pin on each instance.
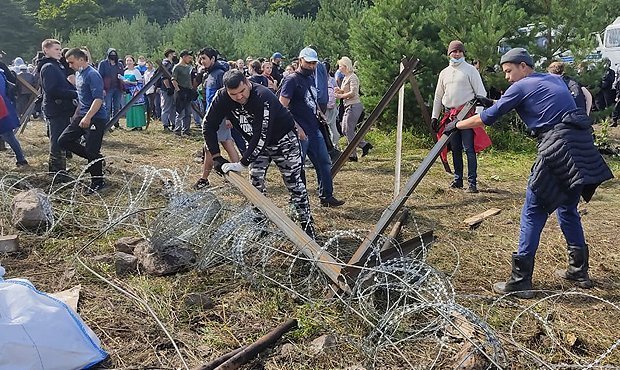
(58, 93)
(215, 80)
(11, 121)
(321, 78)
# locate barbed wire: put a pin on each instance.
(407, 308)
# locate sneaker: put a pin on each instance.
(472, 189)
(96, 187)
(366, 148)
(201, 184)
(331, 202)
(457, 184)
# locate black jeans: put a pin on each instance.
(70, 137)
(58, 159)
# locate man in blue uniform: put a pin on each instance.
(567, 167)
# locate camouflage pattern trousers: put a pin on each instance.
(286, 154)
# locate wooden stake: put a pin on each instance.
(305, 243)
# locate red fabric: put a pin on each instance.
(481, 139)
(4, 111)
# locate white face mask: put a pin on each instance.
(458, 61)
(141, 64)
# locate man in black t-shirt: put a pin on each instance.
(270, 133)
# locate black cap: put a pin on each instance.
(185, 52)
(516, 56)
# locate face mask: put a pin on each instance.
(457, 61)
(306, 71)
(113, 57)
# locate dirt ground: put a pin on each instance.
(585, 325)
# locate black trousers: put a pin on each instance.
(70, 140)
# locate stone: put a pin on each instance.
(287, 349)
(9, 244)
(200, 300)
(167, 261)
(125, 263)
(31, 210)
(321, 343)
(127, 244)
(70, 297)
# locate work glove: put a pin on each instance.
(235, 167)
(450, 127)
(435, 124)
(484, 101)
(218, 162)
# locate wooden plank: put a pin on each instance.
(25, 83)
(390, 213)
(475, 220)
(375, 114)
(305, 243)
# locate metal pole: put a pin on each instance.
(399, 135)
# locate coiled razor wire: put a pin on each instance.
(409, 308)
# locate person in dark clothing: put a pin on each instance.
(277, 71)
(568, 167)
(607, 95)
(58, 103)
(256, 73)
(110, 69)
(91, 118)
(615, 115)
(270, 134)
(166, 91)
(557, 68)
(10, 79)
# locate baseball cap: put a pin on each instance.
(185, 52)
(516, 56)
(309, 55)
(276, 55)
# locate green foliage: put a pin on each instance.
(258, 38)
(62, 15)
(200, 29)
(330, 29)
(20, 35)
(138, 37)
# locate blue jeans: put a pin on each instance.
(314, 146)
(167, 109)
(464, 139)
(9, 138)
(113, 99)
(533, 219)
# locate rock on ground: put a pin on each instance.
(31, 210)
(125, 263)
(166, 261)
(127, 244)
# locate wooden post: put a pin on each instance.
(220, 360)
(388, 215)
(399, 134)
(305, 243)
(374, 115)
(257, 347)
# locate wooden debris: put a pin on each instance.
(477, 219)
(220, 360)
(9, 243)
(257, 347)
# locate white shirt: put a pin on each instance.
(457, 84)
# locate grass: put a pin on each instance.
(472, 259)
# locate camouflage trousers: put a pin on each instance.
(286, 154)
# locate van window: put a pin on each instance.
(612, 38)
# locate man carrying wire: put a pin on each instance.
(270, 134)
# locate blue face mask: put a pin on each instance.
(457, 61)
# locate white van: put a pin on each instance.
(609, 44)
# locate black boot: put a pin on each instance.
(578, 259)
(520, 280)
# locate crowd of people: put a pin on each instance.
(260, 112)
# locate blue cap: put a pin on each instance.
(309, 55)
(276, 55)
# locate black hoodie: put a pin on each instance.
(58, 93)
